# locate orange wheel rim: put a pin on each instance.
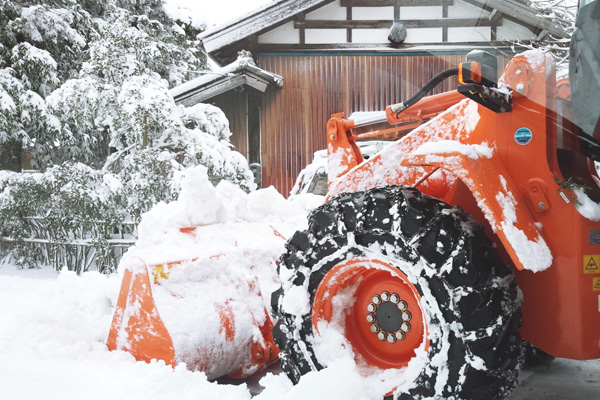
(385, 323)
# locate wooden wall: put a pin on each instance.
(293, 118)
(234, 104)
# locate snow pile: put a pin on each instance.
(202, 204)
(221, 246)
(55, 327)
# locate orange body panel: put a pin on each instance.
(503, 168)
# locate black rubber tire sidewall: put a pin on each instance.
(469, 296)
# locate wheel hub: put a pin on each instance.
(385, 323)
(389, 317)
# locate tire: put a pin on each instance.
(534, 357)
(446, 306)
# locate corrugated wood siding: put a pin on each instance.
(316, 86)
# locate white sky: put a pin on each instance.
(216, 12)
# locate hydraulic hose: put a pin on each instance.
(436, 80)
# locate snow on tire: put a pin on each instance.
(410, 288)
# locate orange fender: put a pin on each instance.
(471, 143)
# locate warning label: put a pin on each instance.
(596, 284)
(591, 264)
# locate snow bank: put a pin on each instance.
(53, 328)
(52, 333)
(213, 252)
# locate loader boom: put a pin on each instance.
(503, 168)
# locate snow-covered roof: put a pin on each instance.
(222, 40)
(521, 11)
(242, 71)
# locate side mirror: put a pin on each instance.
(256, 169)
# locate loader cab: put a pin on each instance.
(578, 147)
(584, 66)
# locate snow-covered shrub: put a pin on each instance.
(36, 67)
(101, 45)
(147, 176)
(63, 217)
(145, 114)
(77, 105)
(24, 118)
(205, 141)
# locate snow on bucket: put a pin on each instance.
(196, 286)
(207, 312)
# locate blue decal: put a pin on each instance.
(523, 136)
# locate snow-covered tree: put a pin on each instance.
(47, 44)
(563, 13)
(84, 88)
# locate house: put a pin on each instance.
(312, 58)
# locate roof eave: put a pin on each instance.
(241, 72)
(523, 13)
(253, 23)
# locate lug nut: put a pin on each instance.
(402, 305)
(383, 335)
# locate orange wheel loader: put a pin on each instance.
(434, 261)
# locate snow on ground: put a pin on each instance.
(53, 329)
(54, 326)
(52, 333)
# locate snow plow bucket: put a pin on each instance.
(206, 311)
(137, 327)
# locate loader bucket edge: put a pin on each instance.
(136, 326)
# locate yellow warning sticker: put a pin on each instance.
(596, 286)
(591, 264)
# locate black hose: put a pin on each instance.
(436, 80)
